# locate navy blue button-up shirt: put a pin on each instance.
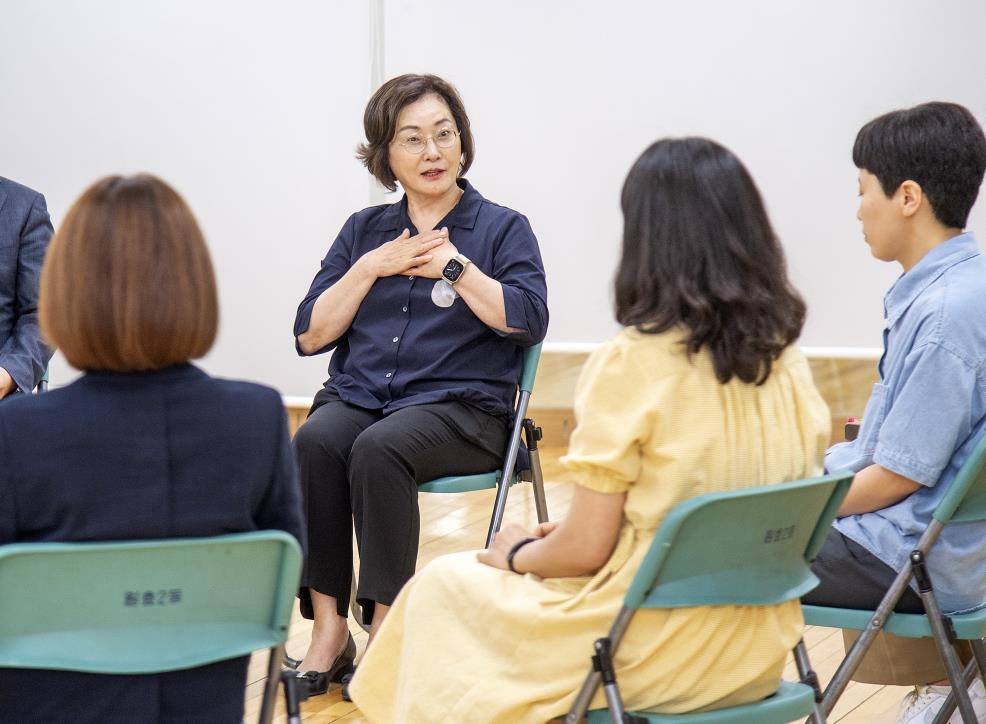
(403, 349)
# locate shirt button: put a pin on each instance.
(404, 309)
(388, 374)
(396, 338)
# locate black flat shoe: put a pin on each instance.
(345, 685)
(318, 681)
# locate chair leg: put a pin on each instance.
(294, 693)
(582, 700)
(499, 505)
(979, 652)
(854, 656)
(602, 662)
(973, 670)
(943, 635)
(808, 677)
(354, 607)
(509, 461)
(276, 654)
(532, 434)
(969, 674)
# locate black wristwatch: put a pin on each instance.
(454, 269)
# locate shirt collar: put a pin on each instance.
(932, 265)
(184, 370)
(463, 215)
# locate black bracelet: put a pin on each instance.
(513, 551)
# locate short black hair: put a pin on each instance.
(939, 146)
(699, 252)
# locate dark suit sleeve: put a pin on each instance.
(280, 508)
(24, 355)
(7, 518)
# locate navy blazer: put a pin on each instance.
(115, 456)
(25, 230)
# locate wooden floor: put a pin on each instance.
(459, 522)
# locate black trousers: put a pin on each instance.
(852, 577)
(360, 468)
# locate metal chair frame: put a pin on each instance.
(523, 429)
(751, 546)
(522, 426)
(965, 501)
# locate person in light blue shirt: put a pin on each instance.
(920, 171)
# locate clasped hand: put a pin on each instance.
(496, 554)
(422, 255)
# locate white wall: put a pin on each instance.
(253, 109)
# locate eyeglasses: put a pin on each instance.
(414, 145)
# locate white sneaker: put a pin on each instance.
(921, 705)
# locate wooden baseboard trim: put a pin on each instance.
(556, 423)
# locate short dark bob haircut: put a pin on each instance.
(380, 121)
(699, 253)
(939, 146)
(127, 284)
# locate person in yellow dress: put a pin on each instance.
(702, 391)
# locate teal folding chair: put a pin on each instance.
(750, 547)
(144, 607)
(42, 385)
(965, 501)
(531, 472)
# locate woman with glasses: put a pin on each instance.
(426, 305)
(702, 391)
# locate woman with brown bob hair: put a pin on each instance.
(427, 305)
(142, 445)
(702, 391)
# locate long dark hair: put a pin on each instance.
(699, 252)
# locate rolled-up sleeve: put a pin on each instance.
(336, 263)
(520, 271)
(930, 415)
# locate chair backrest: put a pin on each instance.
(966, 497)
(532, 355)
(42, 385)
(746, 547)
(139, 607)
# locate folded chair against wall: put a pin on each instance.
(523, 427)
(965, 501)
(145, 607)
(741, 547)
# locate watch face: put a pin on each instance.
(452, 271)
